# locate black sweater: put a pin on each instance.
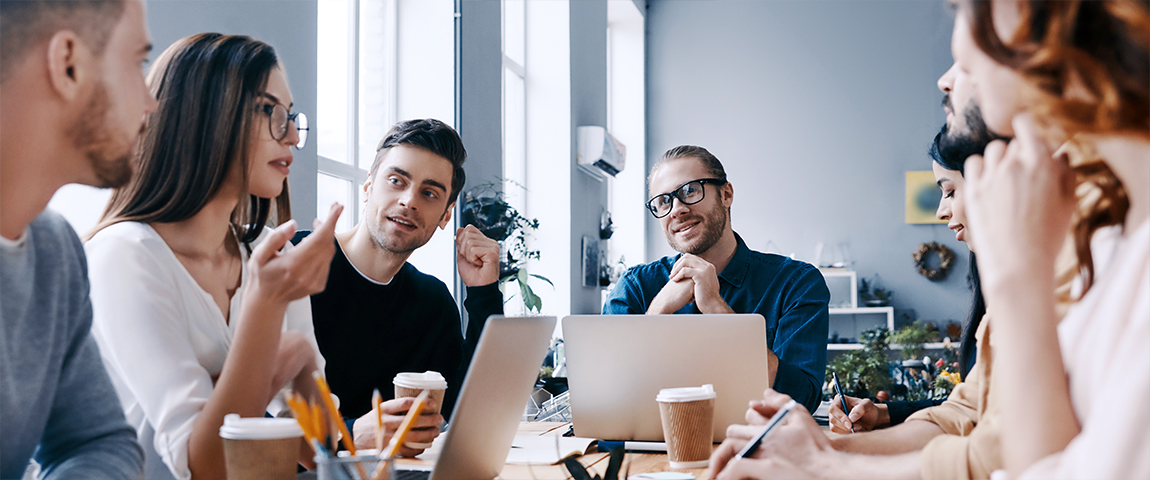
(369, 332)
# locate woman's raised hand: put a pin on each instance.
(285, 276)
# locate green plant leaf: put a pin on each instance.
(541, 277)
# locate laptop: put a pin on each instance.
(616, 365)
(490, 405)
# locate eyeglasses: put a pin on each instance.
(688, 193)
(278, 118)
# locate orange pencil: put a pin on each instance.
(405, 427)
(325, 392)
(376, 400)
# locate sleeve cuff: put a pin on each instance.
(798, 384)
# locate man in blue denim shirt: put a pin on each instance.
(716, 273)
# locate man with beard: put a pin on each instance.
(74, 101)
(716, 273)
(379, 315)
(955, 439)
(964, 134)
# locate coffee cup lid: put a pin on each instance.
(686, 394)
(427, 380)
(236, 428)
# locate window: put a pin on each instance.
(355, 97)
(514, 116)
(380, 61)
(626, 120)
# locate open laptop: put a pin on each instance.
(491, 403)
(616, 365)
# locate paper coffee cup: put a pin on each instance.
(688, 416)
(260, 448)
(409, 384)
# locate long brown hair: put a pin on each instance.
(206, 85)
(1102, 47)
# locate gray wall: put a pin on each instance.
(480, 102)
(588, 107)
(816, 108)
(290, 27)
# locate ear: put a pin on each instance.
(728, 194)
(366, 188)
(69, 61)
(446, 216)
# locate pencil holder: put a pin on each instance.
(361, 467)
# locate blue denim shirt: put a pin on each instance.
(790, 294)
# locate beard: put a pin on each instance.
(399, 246)
(955, 146)
(713, 223)
(110, 160)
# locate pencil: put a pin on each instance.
(325, 393)
(405, 427)
(376, 400)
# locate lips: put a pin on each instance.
(402, 222)
(959, 232)
(282, 164)
(686, 227)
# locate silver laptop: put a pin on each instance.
(491, 403)
(616, 365)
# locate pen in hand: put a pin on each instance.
(753, 446)
(842, 398)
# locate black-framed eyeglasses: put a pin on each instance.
(688, 193)
(278, 118)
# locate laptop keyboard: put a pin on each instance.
(412, 475)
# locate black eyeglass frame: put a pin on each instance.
(269, 110)
(676, 193)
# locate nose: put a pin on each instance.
(292, 136)
(407, 197)
(946, 81)
(678, 208)
(943, 212)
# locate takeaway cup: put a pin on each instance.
(410, 384)
(687, 415)
(261, 448)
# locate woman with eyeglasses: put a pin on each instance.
(199, 307)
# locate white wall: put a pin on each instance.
(816, 109)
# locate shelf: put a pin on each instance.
(893, 346)
(860, 310)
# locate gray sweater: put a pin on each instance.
(56, 401)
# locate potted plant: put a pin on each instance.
(485, 207)
(865, 371)
(873, 293)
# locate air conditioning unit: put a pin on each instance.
(599, 154)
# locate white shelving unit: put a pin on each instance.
(893, 346)
(850, 322)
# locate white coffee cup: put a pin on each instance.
(261, 448)
(409, 384)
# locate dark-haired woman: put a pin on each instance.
(199, 309)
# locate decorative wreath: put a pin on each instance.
(945, 260)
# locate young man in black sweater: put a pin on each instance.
(379, 315)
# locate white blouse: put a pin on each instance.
(163, 338)
(1105, 342)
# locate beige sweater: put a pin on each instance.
(969, 449)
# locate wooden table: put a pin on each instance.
(596, 463)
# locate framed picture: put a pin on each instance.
(922, 196)
(590, 261)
